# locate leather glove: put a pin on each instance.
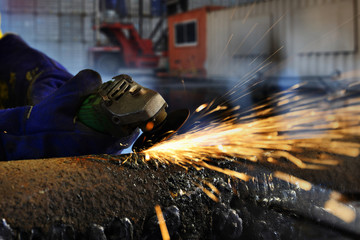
(50, 128)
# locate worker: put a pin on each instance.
(40, 101)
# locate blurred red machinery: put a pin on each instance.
(127, 49)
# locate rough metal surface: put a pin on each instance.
(83, 191)
(75, 191)
(85, 197)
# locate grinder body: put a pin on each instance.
(122, 105)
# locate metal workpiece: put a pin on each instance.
(78, 191)
(90, 192)
(94, 194)
(298, 196)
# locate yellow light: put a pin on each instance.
(201, 107)
(338, 209)
(149, 126)
(163, 229)
(208, 193)
(293, 180)
(1, 34)
(305, 125)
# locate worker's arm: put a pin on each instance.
(47, 99)
(27, 76)
(50, 128)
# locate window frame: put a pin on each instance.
(186, 44)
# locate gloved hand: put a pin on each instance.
(27, 76)
(50, 129)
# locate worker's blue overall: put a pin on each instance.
(40, 101)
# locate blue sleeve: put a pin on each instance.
(27, 76)
(42, 100)
(50, 128)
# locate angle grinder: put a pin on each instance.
(121, 106)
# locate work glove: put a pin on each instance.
(27, 76)
(51, 129)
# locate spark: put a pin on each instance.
(201, 107)
(149, 126)
(183, 84)
(332, 31)
(213, 188)
(339, 209)
(224, 50)
(163, 229)
(325, 125)
(286, 126)
(293, 180)
(265, 34)
(208, 193)
(244, 39)
(221, 148)
(268, 57)
(233, 13)
(249, 12)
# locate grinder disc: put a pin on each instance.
(171, 125)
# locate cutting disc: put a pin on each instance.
(171, 125)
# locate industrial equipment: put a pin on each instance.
(128, 49)
(122, 105)
(122, 23)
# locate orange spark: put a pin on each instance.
(244, 39)
(248, 12)
(293, 180)
(208, 193)
(149, 126)
(339, 209)
(213, 188)
(163, 229)
(224, 51)
(320, 124)
(201, 107)
(266, 33)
